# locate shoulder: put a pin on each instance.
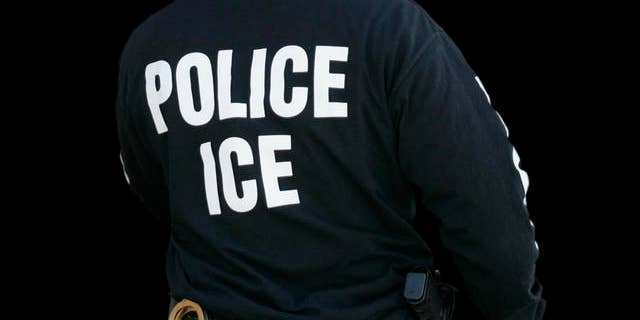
(385, 4)
(402, 25)
(403, 11)
(142, 37)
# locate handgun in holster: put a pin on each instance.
(428, 296)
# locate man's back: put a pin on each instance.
(282, 140)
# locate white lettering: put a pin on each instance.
(323, 80)
(205, 85)
(210, 178)
(272, 170)
(157, 96)
(227, 108)
(299, 94)
(256, 99)
(249, 188)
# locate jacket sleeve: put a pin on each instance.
(453, 146)
(140, 162)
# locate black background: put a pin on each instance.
(108, 253)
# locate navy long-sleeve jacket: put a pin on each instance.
(284, 142)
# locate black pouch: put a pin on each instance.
(428, 296)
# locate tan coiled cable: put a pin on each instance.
(185, 306)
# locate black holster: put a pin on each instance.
(428, 296)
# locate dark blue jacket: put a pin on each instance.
(286, 141)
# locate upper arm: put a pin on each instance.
(454, 147)
(139, 154)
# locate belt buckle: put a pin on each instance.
(185, 306)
